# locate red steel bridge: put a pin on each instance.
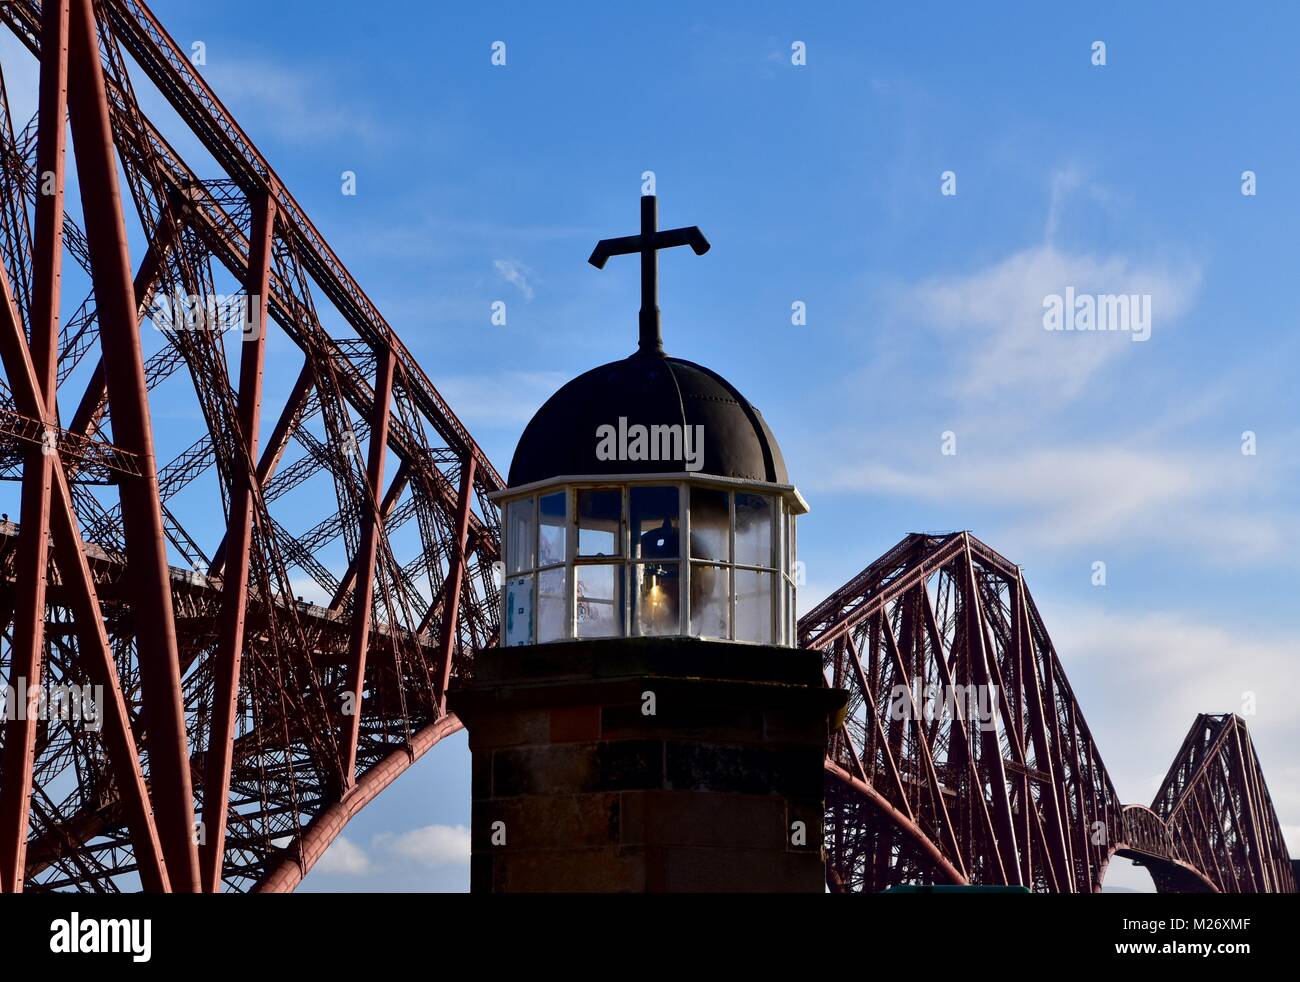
(1018, 795)
(241, 726)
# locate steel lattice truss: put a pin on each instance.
(927, 784)
(1219, 813)
(242, 726)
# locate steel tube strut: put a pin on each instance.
(371, 525)
(234, 601)
(97, 655)
(27, 650)
(149, 580)
(455, 576)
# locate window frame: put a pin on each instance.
(780, 565)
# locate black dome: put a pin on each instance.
(648, 389)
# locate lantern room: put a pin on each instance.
(648, 498)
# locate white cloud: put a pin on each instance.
(992, 320)
(344, 857)
(516, 274)
(392, 855)
(1097, 495)
(432, 845)
(297, 101)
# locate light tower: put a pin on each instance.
(647, 723)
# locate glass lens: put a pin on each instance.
(710, 524)
(653, 512)
(656, 600)
(600, 514)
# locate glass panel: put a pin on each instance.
(656, 600)
(753, 529)
(791, 552)
(710, 524)
(519, 611)
(653, 513)
(710, 609)
(600, 601)
(753, 606)
(552, 529)
(791, 620)
(552, 606)
(519, 545)
(600, 515)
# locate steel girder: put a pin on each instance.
(926, 784)
(242, 725)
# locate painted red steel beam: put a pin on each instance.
(27, 648)
(239, 533)
(1005, 843)
(81, 598)
(371, 529)
(1038, 736)
(164, 711)
(455, 577)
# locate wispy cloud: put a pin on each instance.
(517, 274)
(345, 858)
(432, 845)
(429, 846)
(295, 102)
(1100, 495)
(991, 320)
(501, 398)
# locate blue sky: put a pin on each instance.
(821, 183)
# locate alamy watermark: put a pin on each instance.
(65, 701)
(217, 312)
(1130, 312)
(930, 702)
(666, 442)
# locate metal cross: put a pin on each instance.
(648, 243)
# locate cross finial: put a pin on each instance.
(648, 243)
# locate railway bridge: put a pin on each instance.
(242, 726)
